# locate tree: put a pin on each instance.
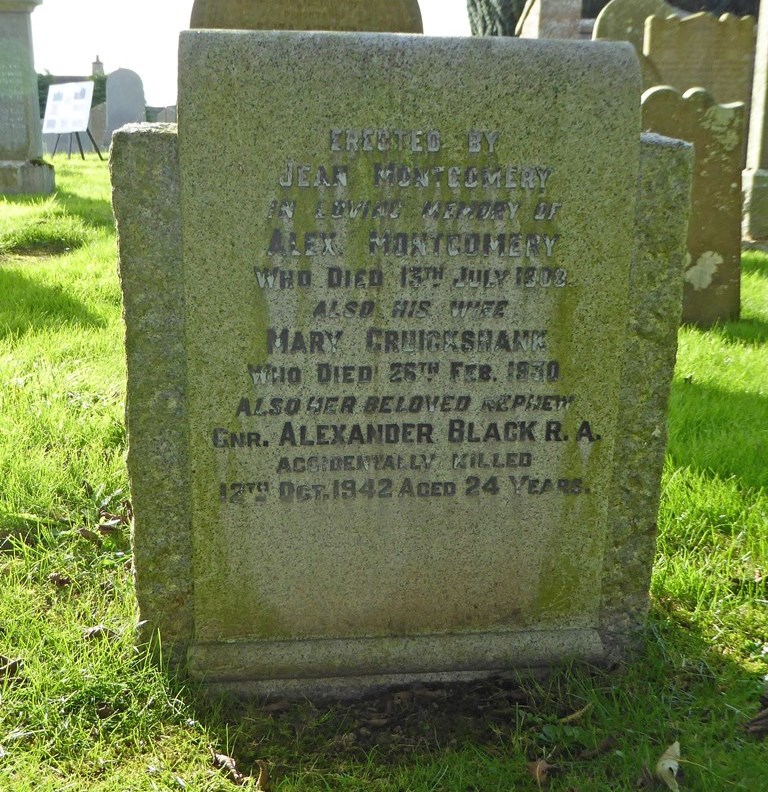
(494, 17)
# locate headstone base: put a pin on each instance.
(26, 178)
(754, 224)
(323, 667)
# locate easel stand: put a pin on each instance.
(79, 144)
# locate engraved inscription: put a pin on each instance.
(416, 369)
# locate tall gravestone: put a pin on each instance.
(713, 271)
(556, 19)
(125, 101)
(704, 51)
(382, 386)
(396, 16)
(624, 20)
(755, 216)
(21, 144)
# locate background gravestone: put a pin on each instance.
(703, 51)
(551, 19)
(755, 219)
(125, 101)
(712, 276)
(21, 144)
(624, 20)
(374, 377)
(397, 16)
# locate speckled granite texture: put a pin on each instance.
(713, 267)
(144, 167)
(386, 16)
(497, 526)
(656, 289)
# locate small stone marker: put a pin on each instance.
(22, 170)
(704, 51)
(550, 19)
(386, 410)
(755, 217)
(713, 271)
(397, 16)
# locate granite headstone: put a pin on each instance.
(712, 276)
(125, 101)
(382, 386)
(755, 177)
(396, 16)
(704, 51)
(22, 170)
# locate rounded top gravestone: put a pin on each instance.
(376, 16)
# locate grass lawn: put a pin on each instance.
(82, 709)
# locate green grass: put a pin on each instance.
(92, 713)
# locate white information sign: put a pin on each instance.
(68, 107)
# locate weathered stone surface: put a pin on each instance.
(145, 195)
(714, 237)
(21, 144)
(393, 16)
(755, 216)
(487, 529)
(702, 51)
(550, 19)
(125, 101)
(655, 301)
(624, 20)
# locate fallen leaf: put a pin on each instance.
(277, 706)
(403, 698)
(59, 580)
(377, 723)
(110, 527)
(90, 535)
(104, 710)
(262, 782)
(758, 724)
(574, 716)
(542, 770)
(9, 668)
(99, 631)
(227, 763)
(668, 765)
(646, 779)
(606, 745)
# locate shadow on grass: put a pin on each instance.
(754, 264)
(96, 212)
(753, 332)
(27, 305)
(718, 431)
(675, 686)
